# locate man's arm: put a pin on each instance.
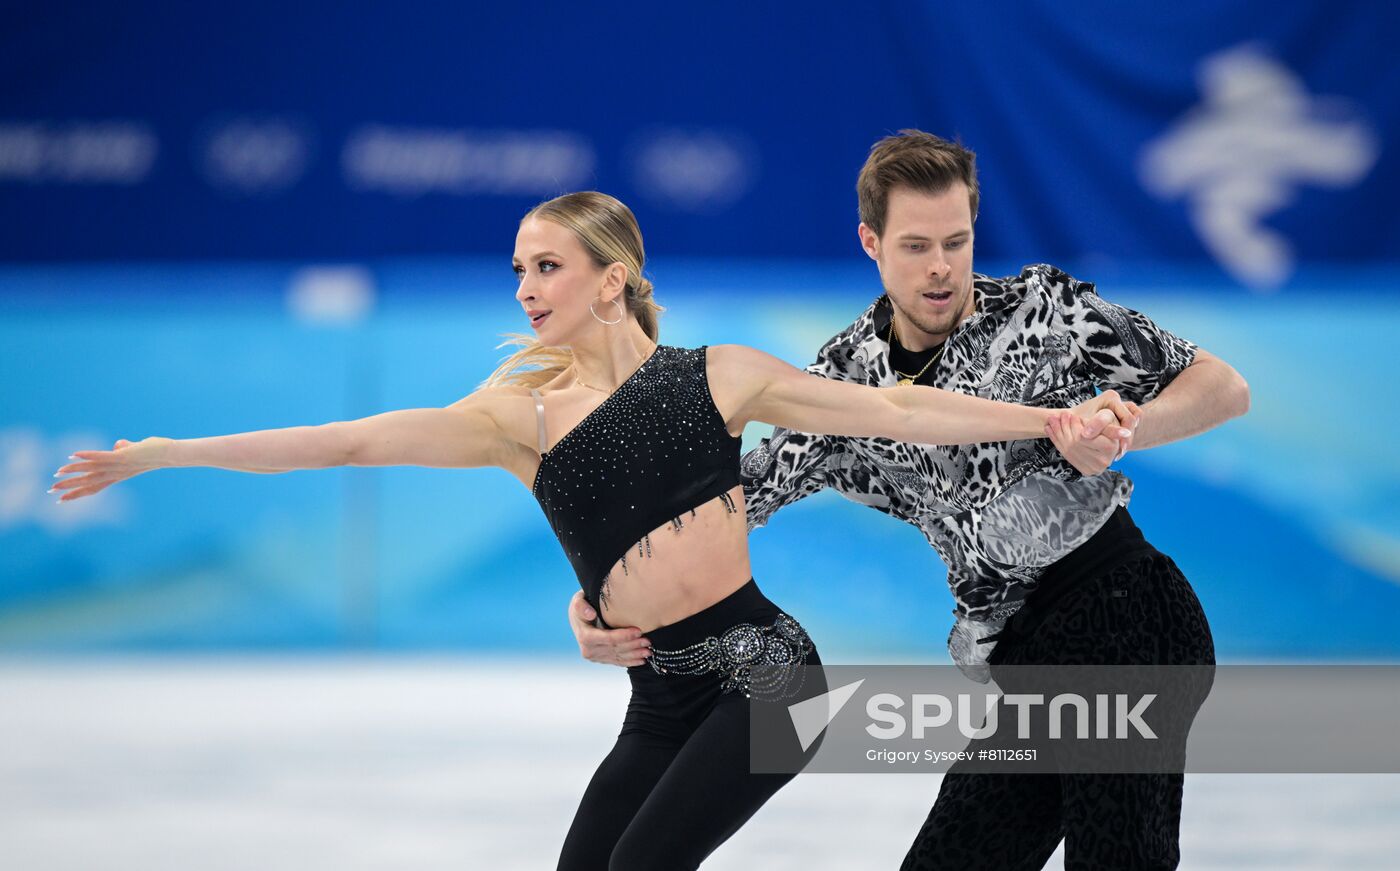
(1182, 390)
(1204, 395)
(785, 467)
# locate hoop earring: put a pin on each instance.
(620, 313)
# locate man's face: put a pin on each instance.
(925, 261)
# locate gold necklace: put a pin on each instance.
(583, 383)
(905, 379)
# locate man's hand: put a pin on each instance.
(1091, 447)
(625, 647)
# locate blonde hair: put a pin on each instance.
(609, 233)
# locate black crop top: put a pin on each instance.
(655, 450)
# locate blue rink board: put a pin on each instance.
(1286, 520)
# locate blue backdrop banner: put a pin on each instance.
(1251, 136)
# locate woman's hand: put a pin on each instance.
(98, 470)
(1095, 433)
(1109, 399)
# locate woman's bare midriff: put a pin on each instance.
(689, 569)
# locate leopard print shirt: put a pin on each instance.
(998, 513)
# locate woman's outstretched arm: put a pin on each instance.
(758, 386)
(464, 434)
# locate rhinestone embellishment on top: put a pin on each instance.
(754, 660)
(653, 440)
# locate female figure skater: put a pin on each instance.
(632, 450)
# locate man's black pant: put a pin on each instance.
(1114, 601)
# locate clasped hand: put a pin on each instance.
(1096, 432)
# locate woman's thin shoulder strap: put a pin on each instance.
(539, 415)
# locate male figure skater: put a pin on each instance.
(1044, 563)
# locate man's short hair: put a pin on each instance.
(916, 160)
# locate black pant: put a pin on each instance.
(1114, 601)
(677, 784)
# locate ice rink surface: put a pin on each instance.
(348, 764)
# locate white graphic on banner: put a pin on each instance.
(702, 171)
(255, 156)
(414, 161)
(78, 152)
(331, 294)
(27, 464)
(1241, 154)
(811, 717)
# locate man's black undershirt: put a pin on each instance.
(905, 361)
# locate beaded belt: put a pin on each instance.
(782, 647)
